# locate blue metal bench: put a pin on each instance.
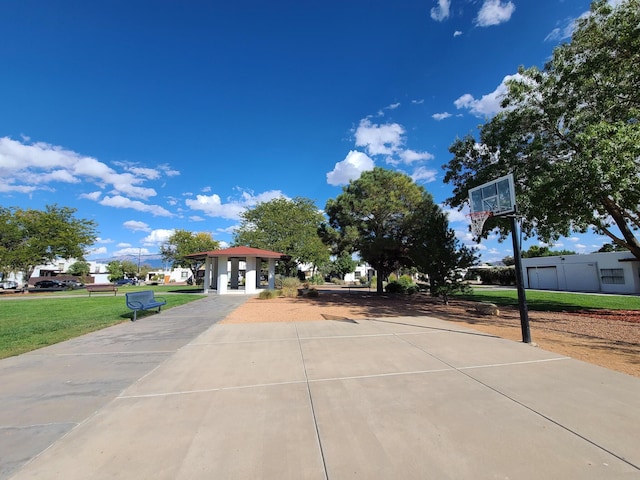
(144, 300)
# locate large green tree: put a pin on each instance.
(437, 252)
(115, 271)
(288, 226)
(343, 264)
(182, 243)
(570, 134)
(373, 216)
(37, 237)
(81, 268)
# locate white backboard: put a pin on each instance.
(497, 196)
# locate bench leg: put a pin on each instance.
(135, 312)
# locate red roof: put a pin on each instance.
(238, 252)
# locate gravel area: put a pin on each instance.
(610, 339)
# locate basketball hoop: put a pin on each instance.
(477, 221)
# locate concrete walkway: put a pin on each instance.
(177, 396)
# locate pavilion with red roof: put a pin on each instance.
(223, 273)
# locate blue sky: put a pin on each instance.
(151, 116)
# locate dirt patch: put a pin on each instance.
(607, 338)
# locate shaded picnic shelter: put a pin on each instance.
(223, 273)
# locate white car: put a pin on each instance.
(8, 285)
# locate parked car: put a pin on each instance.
(73, 283)
(49, 284)
(126, 281)
(8, 285)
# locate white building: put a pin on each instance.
(612, 272)
(362, 271)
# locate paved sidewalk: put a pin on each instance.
(408, 398)
(46, 393)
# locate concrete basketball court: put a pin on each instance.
(178, 396)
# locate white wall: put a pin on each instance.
(361, 271)
(584, 273)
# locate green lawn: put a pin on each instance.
(554, 301)
(31, 323)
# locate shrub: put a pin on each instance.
(267, 294)
(311, 293)
(316, 280)
(406, 280)
(290, 286)
(413, 288)
(498, 276)
(395, 286)
(403, 285)
(337, 281)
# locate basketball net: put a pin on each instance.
(477, 221)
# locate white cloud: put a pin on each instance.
(136, 226)
(97, 251)
(441, 12)
(123, 245)
(158, 236)
(440, 116)
(456, 216)
(494, 12)
(104, 240)
(379, 139)
(393, 106)
(25, 167)
(457, 33)
(465, 236)
(228, 230)
(196, 218)
(91, 196)
(350, 168)
(489, 104)
(417, 102)
(213, 206)
(118, 201)
(411, 156)
(149, 173)
(168, 171)
(424, 175)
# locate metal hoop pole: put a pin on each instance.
(522, 299)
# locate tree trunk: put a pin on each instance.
(630, 241)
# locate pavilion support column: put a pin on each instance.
(223, 275)
(272, 274)
(250, 275)
(235, 270)
(214, 273)
(207, 275)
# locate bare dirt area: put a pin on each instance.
(610, 339)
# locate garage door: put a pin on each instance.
(582, 277)
(543, 278)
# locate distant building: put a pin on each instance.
(611, 272)
(363, 273)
